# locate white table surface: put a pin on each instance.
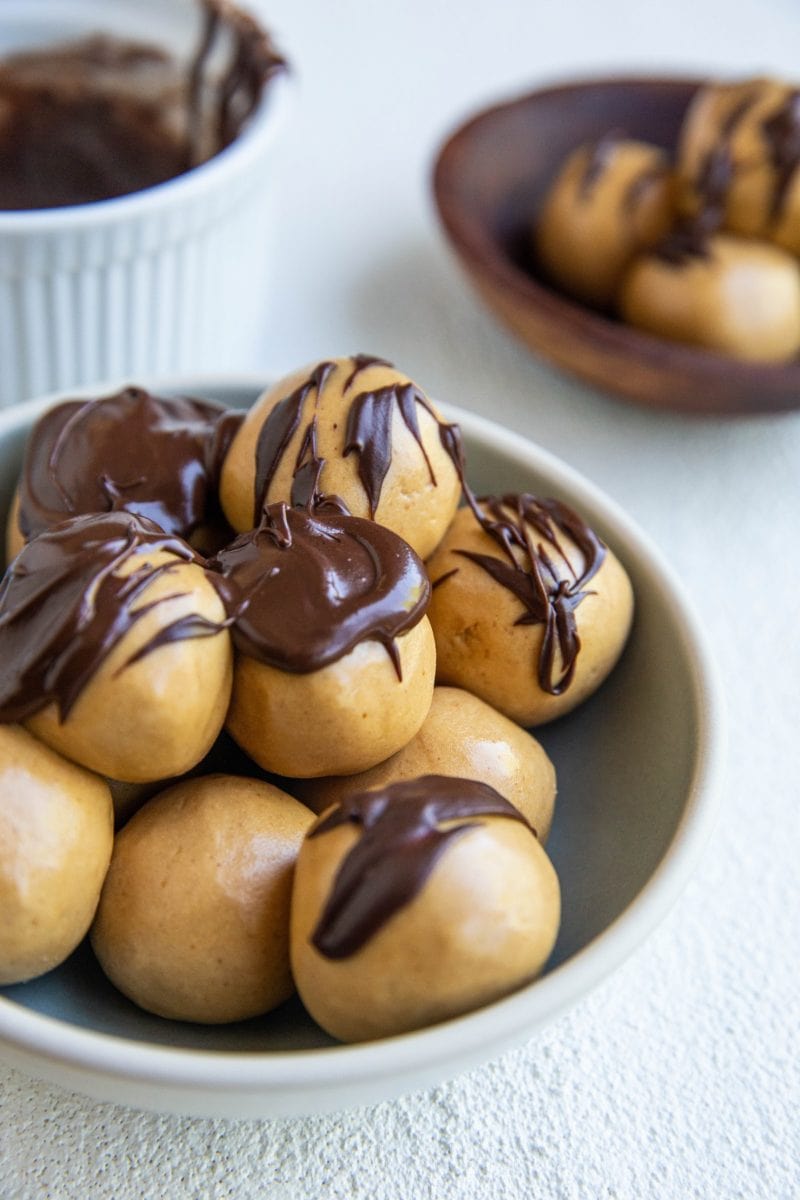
(679, 1076)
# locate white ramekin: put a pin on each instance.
(173, 278)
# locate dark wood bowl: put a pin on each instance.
(489, 180)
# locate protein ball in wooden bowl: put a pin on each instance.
(611, 199)
(355, 429)
(193, 922)
(530, 609)
(416, 903)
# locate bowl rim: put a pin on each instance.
(472, 239)
(486, 1032)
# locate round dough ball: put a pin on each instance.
(343, 401)
(739, 151)
(56, 833)
(491, 642)
(610, 200)
(193, 922)
(738, 296)
(342, 718)
(155, 717)
(464, 737)
(483, 923)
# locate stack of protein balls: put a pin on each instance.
(216, 626)
(703, 249)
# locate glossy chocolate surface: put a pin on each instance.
(155, 456)
(305, 587)
(102, 117)
(64, 606)
(400, 843)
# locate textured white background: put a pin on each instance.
(679, 1077)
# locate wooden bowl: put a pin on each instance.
(489, 180)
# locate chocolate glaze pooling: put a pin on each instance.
(64, 607)
(155, 456)
(399, 846)
(101, 117)
(368, 433)
(528, 528)
(305, 587)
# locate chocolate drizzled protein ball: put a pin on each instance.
(417, 902)
(335, 657)
(158, 457)
(354, 430)
(530, 609)
(114, 648)
(611, 200)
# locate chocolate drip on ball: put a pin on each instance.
(304, 588)
(64, 607)
(154, 456)
(529, 528)
(782, 135)
(368, 433)
(399, 846)
(599, 156)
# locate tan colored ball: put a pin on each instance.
(610, 201)
(483, 641)
(56, 833)
(483, 924)
(420, 491)
(156, 717)
(193, 923)
(749, 132)
(464, 737)
(738, 296)
(340, 719)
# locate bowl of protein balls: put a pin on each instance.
(345, 739)
(640, 233)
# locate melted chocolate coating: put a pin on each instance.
(528, 527)
(368, 433)
(100, 118)
(782, 135)
(134, 452)
(64, 607)
(399, 846)
(305, 587)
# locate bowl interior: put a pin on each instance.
(627, 761)
(490, 179)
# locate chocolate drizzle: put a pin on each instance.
(99, 118)
(527, 528)
(599, 156)
(273, 442)
(399, 846)
(157, 457)
(368, 433)
(64, 606)
(782, 135)
(305, 587)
